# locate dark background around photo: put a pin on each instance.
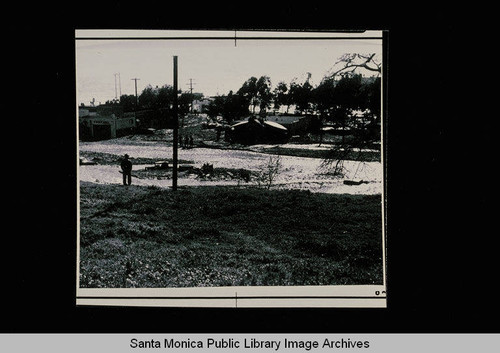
(440, 274)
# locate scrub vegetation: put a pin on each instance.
(136, 236)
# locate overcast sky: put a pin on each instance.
(215, 66)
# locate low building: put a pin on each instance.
(296, 124)
(255, 131)
(200, 104)
(104, 122)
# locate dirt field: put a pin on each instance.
(296, 171)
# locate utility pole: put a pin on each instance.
(191, 85)
(176, 129)
(191, 90)
(120, 84)
(116, 93)
(136, 99)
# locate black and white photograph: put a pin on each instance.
(205, 176)
(230, 168)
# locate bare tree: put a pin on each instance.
(350, 94)
(269, 171)
(353, 61)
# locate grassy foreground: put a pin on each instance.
(216, 236)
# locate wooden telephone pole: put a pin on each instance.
(191, 91)
(120, 85)
(136, 99)
(176, 129)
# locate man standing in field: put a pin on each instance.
(126, 166)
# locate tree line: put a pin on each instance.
(333, 101)
(159, 98)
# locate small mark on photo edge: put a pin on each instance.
(236, 298)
